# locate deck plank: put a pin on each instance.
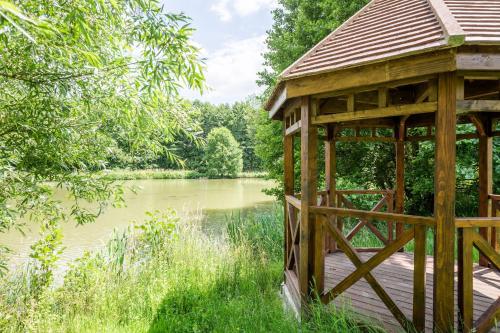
(396, 276)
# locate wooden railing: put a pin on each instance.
(342, 200)
(292, 255)
(329, 221)
(326, 217)
(469, 238)
(386, 201)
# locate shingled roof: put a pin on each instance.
(386, 29)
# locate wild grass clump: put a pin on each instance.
(167, 275)
(261, 232)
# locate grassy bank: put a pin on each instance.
(168, 276)
(122, 174)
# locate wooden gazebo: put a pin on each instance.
(394, 66)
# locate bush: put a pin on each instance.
(223, 154)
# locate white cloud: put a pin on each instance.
(226, 9)
(232, 70)
(222, 10)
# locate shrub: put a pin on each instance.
(223, 154)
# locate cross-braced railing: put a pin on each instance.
(469, 237)
(386, 201)
(292, 255)
(326, 217)
(329, 224)
(343, 199)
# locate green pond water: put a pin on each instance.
(214, 200)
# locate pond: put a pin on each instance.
(215, 200)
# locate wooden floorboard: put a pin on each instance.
(396, 276)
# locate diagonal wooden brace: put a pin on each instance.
(375, 231)
(486, 250)
(356, 260)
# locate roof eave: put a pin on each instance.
(454, 34)
(347, 22)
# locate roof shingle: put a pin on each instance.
(391, 28)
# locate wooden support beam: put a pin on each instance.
(476, 222)
(465, 279)
(424, 95)
(466, 106)
(478, 122)
(294, 129)
(485, 175)
(391, 111)
(293, 201)
(277, 102)
(331, 177)
(373, 74)
(460, 88)
(464, 136)
(444, 204)
(485, 249)
(288, 157)
(419, 278)
(369, 123)
(383, 97)
(364, 139)
(400, 172)
(351, 103)
(309, 172)
(489, 319)
(478, 62)
(370, 216)
(319, 255)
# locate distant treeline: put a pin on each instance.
(190, 147)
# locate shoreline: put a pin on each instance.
(124, 174)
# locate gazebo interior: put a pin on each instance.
(395, 66)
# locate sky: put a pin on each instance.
(231, 35)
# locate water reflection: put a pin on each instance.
(217, 199)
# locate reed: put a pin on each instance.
(187, 282)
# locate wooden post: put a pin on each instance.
(444, 203)
(330, 178)
(495, 206)
(289, 188)
(419, 278)
(390, 209)
(465, 280)
(309, 152)
(485, 179)
(400, 132)
(319, 255)
(400, 173)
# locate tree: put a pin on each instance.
(223, 154)
(298, 26)
(82, 81)
(240, 118)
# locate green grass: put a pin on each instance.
(169, 276)
(124, 174)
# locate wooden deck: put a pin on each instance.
(396, 276)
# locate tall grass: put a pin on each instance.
(125, 174)
(169, 276)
